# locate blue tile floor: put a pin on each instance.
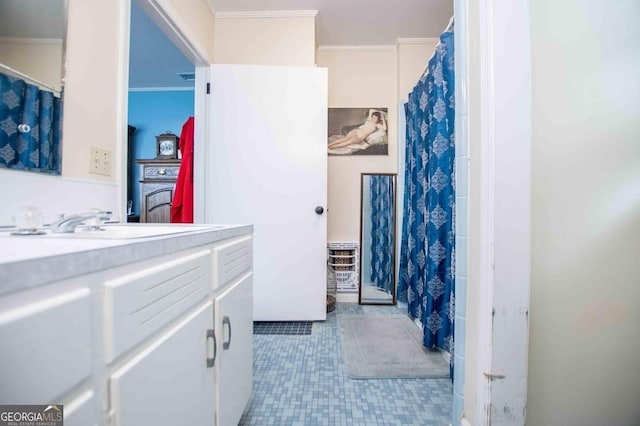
(301, 380)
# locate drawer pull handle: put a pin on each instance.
(227, 321)
(162, 172)
(211, 334)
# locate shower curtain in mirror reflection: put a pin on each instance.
(37, 148)
(381, 190)
(427, 254)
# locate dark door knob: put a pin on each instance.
(319, 210)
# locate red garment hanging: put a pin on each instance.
(182, 206)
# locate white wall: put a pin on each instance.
(53, 195)
(413, 57)
(195, 20)
(38, 58)
(265, 39)
(584, 364)
(95, 84)
(358, 77)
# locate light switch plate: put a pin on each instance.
(99, 161)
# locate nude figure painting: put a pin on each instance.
(358, 131)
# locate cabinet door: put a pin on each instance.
(234, 367)
(168, 382)
(157, 199)
(82, 410)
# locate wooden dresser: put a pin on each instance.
(156, 189)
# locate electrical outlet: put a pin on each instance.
(99, 161)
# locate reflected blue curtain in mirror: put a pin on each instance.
(22, 105)
(382, 224)
(427, 253)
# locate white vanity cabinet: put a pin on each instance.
(198, 371)
(156, 343)
(165, 340)
(168, 382)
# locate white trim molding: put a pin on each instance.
(417, 40)
(121, 149)
(163, 13)
(266, 14)
(201, 173)
(361, 48)
(161, 89)
(505, 212)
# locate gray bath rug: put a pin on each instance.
(387, 347)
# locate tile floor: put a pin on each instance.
(301, 380)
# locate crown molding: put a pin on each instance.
(161, 89)
(358, 48)
(266, 14)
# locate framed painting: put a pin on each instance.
(358, 131)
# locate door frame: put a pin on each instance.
(497, 44)
(168, 20)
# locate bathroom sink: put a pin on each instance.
(126, 231)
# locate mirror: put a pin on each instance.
(32, 48)
(377, 239)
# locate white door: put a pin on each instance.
(267, 166)
(234, 366)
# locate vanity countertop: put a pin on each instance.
(31, 261)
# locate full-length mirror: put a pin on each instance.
(377, 239)
(32, 34)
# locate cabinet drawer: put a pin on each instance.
(142, 302)
(232, 259)
(45, 346)
(161, 172)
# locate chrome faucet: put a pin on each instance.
(67, 224)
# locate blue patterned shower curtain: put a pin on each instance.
(382, 225)
(427, 253)
(30, 127)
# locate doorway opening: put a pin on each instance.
(161, 98)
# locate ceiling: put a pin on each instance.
(359, 22)
(155, 61)
(32, 18)
(338, 23)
